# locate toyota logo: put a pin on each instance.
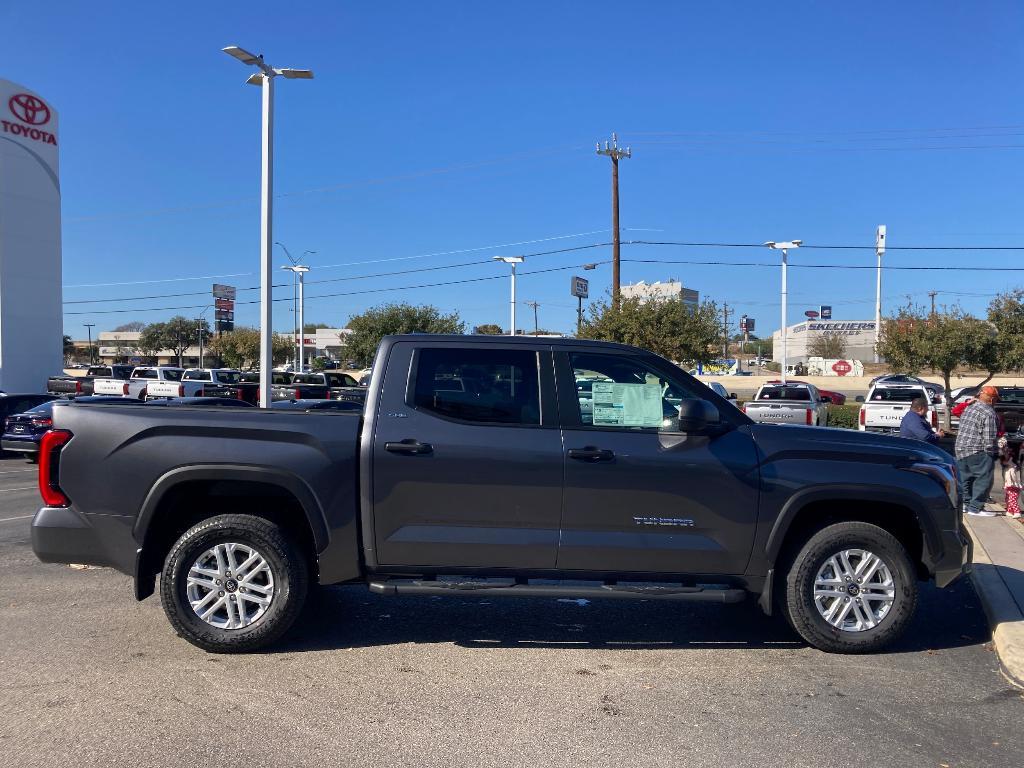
(29, 109)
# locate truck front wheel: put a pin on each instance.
(233, 583)
(851, 589)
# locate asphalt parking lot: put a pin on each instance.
(89, 677)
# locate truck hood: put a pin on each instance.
(779, 441)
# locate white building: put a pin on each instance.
(670, 289)
(858, 334)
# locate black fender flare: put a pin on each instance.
(849, 492)
(259, 474)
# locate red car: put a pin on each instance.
(837, 398)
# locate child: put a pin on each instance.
(1011, 483)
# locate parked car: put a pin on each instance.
(505, 491)
(199, 382)
(137, 386)
(11, 404)
(835, 398)
(1010, 408)
(23, 431)
(722, 392)
(73, 386)
(788, 404)
(887, 404)
(340, 385)
(286, 385)
(902, 378)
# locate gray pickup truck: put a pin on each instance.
(504, 485)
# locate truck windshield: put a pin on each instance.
(172, 374)
(340, 380)
(785, 393)
(1011, 395)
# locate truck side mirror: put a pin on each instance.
(697, 416)
(826, 399)
(859, 399)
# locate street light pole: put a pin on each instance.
(265, 79)
(784, 247)
(89, 327)
(513, 260)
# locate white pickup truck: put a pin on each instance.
(138, 385)
(788, 404)
(197, 382)
(886, 405)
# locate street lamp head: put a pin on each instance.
(510, 259)
(256, 78)
(590, 266)
(243, 55)
(295, 74)
(300, 268)
(784, 246)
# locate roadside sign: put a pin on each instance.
(224, 314)
(811, 313)
(825, 312)
(580, 287)
(747, 323)
(223, 304)
(841, 367)
(223, 291)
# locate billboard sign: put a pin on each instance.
(223, 304)
(811, 313)
(825, 312)
(580, 287)
(747, 323)
(223, 291)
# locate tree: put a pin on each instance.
(914, 339)
(666, 327)
(376, 323)
(177, 334)
(829, 345)
(69, 349)
(135, 326)
(489, 329)
(1006, 313)
(240, 348)
(311, 327)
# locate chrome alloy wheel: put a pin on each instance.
(854, 590)
(230, 586)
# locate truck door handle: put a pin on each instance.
(410, 446)
(591, 454)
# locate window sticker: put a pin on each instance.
(627, 405)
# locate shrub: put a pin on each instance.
(843, 416)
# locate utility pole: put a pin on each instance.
(89, 327)
(932, 295)
(725, 330)
(879, 250)
(612, 150)
(533, 304)
(199, 330)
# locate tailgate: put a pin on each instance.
(108, 387)
(778, 413)
(163, 389)
(885, 415)
(63, 386)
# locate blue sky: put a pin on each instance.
(435, 128)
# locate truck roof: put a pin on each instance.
(481, 338)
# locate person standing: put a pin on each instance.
(915, 424)
(976, 450)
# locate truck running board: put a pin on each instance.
(511, 588)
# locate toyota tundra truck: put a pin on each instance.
(197, 382)
(788, 404)
(137, 385)
(501, 487)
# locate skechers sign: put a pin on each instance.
(30, 112)
(840, 329)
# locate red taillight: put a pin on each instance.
(181, 390)
(935, 419)
(238, 393)
(298, 396)
(809, 419)
(743, 408)
(124, 389)
(49, 467)
(862, 416)
(78, 387)
(42, 422)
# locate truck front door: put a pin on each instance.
(640, 496)
(467, 458)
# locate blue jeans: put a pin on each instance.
(975, 479)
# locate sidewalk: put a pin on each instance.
(998, 578)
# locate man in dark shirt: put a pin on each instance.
(915, 424)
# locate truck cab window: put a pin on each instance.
(492, 386)
(618, 391)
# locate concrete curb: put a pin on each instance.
(1005, 618)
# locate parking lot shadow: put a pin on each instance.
(349, 617)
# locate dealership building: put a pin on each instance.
(670, 289)
(859, 336)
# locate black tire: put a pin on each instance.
(290, 573)
(802, 613)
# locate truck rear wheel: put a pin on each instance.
(851, 589)
(233, 583)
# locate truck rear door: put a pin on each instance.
(466, 458)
